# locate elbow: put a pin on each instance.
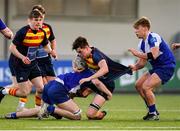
(106, 70)
(10, 48)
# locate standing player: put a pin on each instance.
(23, 48)
(5, 30)
(43, 58)
(105, 69)
(153, 49)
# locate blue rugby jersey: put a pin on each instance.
(71, 80)
(165, 58)
(2, 25)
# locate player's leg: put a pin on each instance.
(93, 111)
(69, 110)
(55, 93)
(23, 101)
(149, 85)
(32, 112)
(38, 83)
(36, 79)
(139, 85)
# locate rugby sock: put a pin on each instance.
(12, 91)
(51, 109)
(152, 109)
(5, 91)
(22, 102)
(13, 115)
(37, 100)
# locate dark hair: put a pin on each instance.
(144, 21)
(79, 42)
(35, 14)
(40, 8)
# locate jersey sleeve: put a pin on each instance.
(154, 40)
(51, 37)
(19, 37)
(97, 56)
(2, 25)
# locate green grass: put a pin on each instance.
(125, 112)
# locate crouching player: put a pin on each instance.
(56, 93)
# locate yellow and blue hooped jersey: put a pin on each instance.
(41, 53)
(115, 69)
(27, 41)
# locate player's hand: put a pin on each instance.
(26, 60)
(53, 54)
(174, 46)
(133, 68)
(109, 96)
(133, 51)
(84, 80)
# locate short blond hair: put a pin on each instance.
(143, 21)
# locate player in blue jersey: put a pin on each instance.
(105, 69)
(56, 92)
(5, 30)
(152, 49)
(23, 48)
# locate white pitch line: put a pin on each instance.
(99, 127)
(140, 110)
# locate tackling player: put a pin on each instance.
(105, 69)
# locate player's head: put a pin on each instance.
(40, 8)
(79, 64)
(82, 47)
(35, 19)
(142, 27)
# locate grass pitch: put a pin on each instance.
(125, 112)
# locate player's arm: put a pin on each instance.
(52, 41)
(102, 88)
(53, 47)
(153, 54)
(138, 65)
(15, 52)
(5, 30)
(103, 69)
(7, 33)
(175, 46)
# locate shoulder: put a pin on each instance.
(46, 25)
(154, 37)
(23, 30)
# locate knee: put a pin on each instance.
(90, 114)
(39, 89)
(24, 93)
(138, 86)
(146, 87)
